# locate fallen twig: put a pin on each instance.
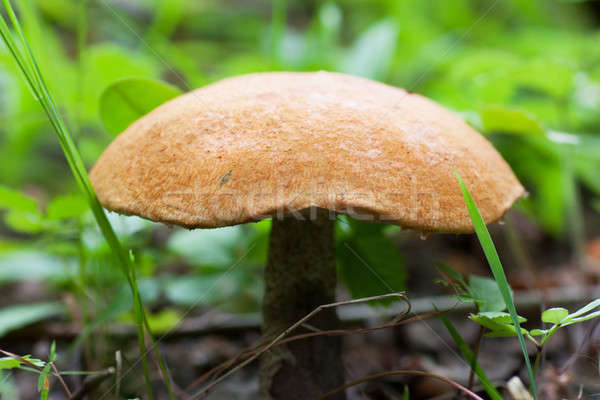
(91, 382)
(279, 339)
(215, 322)
(401, 372)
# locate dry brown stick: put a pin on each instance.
(119, 370)
(60, 379)
(300, 322)
(401, 372)
(37, 368)
(91, 382)
(245, 354)
(475, 356)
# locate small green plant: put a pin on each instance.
(491, 311)
(28, 363)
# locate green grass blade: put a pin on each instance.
(23, 56)
(468, 354)
(498, 271)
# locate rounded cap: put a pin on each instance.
(261, 145)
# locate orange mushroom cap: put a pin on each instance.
(259, 145)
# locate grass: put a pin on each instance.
(498, 272)
(22, 54)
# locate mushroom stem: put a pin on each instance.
(300, 276)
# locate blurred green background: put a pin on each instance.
(526, 73)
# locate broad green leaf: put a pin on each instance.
(64, 207)
(16, 317)
(554, 315)
(369, 263)
(32, 265)
(549, 75)
(486, 294)
(61, 11)
(499, 316)
(371, 55)
(500, 325)
(538, 163)
(507, 120)
(196, 290)
(167, 16)
(11, 199)
(24, 222)
(104, 64)
(128, 99)
(207, 247)
(163, 321)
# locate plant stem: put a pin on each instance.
(300, 276)
(475, 356)
(538, 357)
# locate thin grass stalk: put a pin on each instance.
(25, 60)
(498, 272)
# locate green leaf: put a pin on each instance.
(52, 355)
(498, 271)
(369, 262)
(195, 290)
(128, 99)
(15, 201)
(105, 63)
(571, 321)
(207, 247)
(501, 317)
(537, 161)
(24, 222)
(371, 55)
(11, 363)
(16, 317)
(31, 265)
(507, 120)
(498, 325)
(550, 75)
(64, 207)
(486, 294)
(554, 315)
(585, 309)
(163, 321)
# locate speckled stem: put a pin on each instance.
(300, 276)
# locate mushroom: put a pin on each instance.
(300, 148)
